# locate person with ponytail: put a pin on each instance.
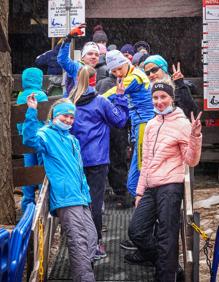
(94, 117)
(69, 195)
(170, 143)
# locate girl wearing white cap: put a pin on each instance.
(136, 88)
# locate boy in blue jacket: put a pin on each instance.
(32, 81)
(69, 193)
(136, 88)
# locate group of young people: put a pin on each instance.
(74, 145)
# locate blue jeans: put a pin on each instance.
(30, 159)
(134, 170)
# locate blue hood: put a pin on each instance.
(32, 78)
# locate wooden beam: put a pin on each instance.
(210, 135)
(18, 147)
(18, 111)
(25, 176)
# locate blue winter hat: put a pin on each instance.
(157, 60)
(66, 108)
(32, 78)
(128, 48)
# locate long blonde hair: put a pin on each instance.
(83, 82)
(60, 101)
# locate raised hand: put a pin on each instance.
(76, 31)
(196, 125)
(32, 101)
(176, 72)
(120, 89)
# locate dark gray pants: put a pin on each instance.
(79, 228)
(163, 204)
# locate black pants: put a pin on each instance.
(118, 169)
(163, 204)
(96, 179)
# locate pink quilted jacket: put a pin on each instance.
(167, 146)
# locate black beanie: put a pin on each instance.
(99, 34)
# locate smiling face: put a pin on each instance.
(121, 71)
(153, 72)
(91, 58)
(67, 119)
(162, 100)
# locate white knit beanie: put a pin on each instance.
(90, 46)
(115, 59)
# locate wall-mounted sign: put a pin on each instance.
(211, 54)
(60, 20)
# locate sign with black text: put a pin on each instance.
(58, 21)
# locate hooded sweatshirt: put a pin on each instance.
(167, 147)
(32, 82)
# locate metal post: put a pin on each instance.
(68, 8)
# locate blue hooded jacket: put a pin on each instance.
(32, 82)
(94, 117)
(62, 161)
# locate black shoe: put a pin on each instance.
(180, 275)
(128, 245)
(137, 258)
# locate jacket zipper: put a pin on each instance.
(157, 135)
(155, 145)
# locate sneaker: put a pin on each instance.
(137, 258)
(128, 245)
(100, 252)
(180, 274)
(104, 228)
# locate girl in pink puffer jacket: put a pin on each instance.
(170, 142)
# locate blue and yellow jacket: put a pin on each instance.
(138, 92)
(62, 162)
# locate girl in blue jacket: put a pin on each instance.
(69, 192)
(94, 117)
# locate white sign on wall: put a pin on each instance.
(57, 16)
(211, 54)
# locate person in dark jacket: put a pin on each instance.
(101, 68)
(99, 35)
(93, 119)
(156, 67)
(118, 168)
(48, 61)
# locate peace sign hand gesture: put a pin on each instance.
(176, 72)
(196, 125)
(120, 89)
